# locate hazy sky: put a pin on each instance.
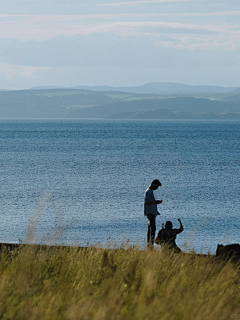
(119, 43)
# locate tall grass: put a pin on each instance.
(71, 283)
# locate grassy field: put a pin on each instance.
(71, 283)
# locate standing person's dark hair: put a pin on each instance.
(155, 184)
(150, 210)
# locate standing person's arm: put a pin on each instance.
(150, 199)
(154, 202)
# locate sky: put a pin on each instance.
(119, 43)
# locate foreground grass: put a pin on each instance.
(67, 283)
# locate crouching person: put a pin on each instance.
(167, 236)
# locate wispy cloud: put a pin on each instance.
(65, 42)
(44, 27)
(12, 71)
(110, 16)
(118, 26)
(131, 3)
(214, 34)
(52, 18)
(208, 14)
(219, 42)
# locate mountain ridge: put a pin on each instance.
(82, 104)
(153, 88)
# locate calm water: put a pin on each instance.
(83, 181)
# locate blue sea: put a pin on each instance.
(82, 182)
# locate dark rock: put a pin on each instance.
(230, 251)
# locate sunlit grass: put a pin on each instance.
(71, 283)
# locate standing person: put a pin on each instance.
(150, 210)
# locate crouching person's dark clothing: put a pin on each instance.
(168, 237)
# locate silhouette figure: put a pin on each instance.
(230, 251)
(167, 235)
(150, 210)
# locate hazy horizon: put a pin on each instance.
(52, 86)
(119, 43)
(77, 86)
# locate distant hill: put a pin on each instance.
(52, 103)
(163, 88)
(233, 98)
(237, 91)
(168, 114)
(180, 104)
(82, 104)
